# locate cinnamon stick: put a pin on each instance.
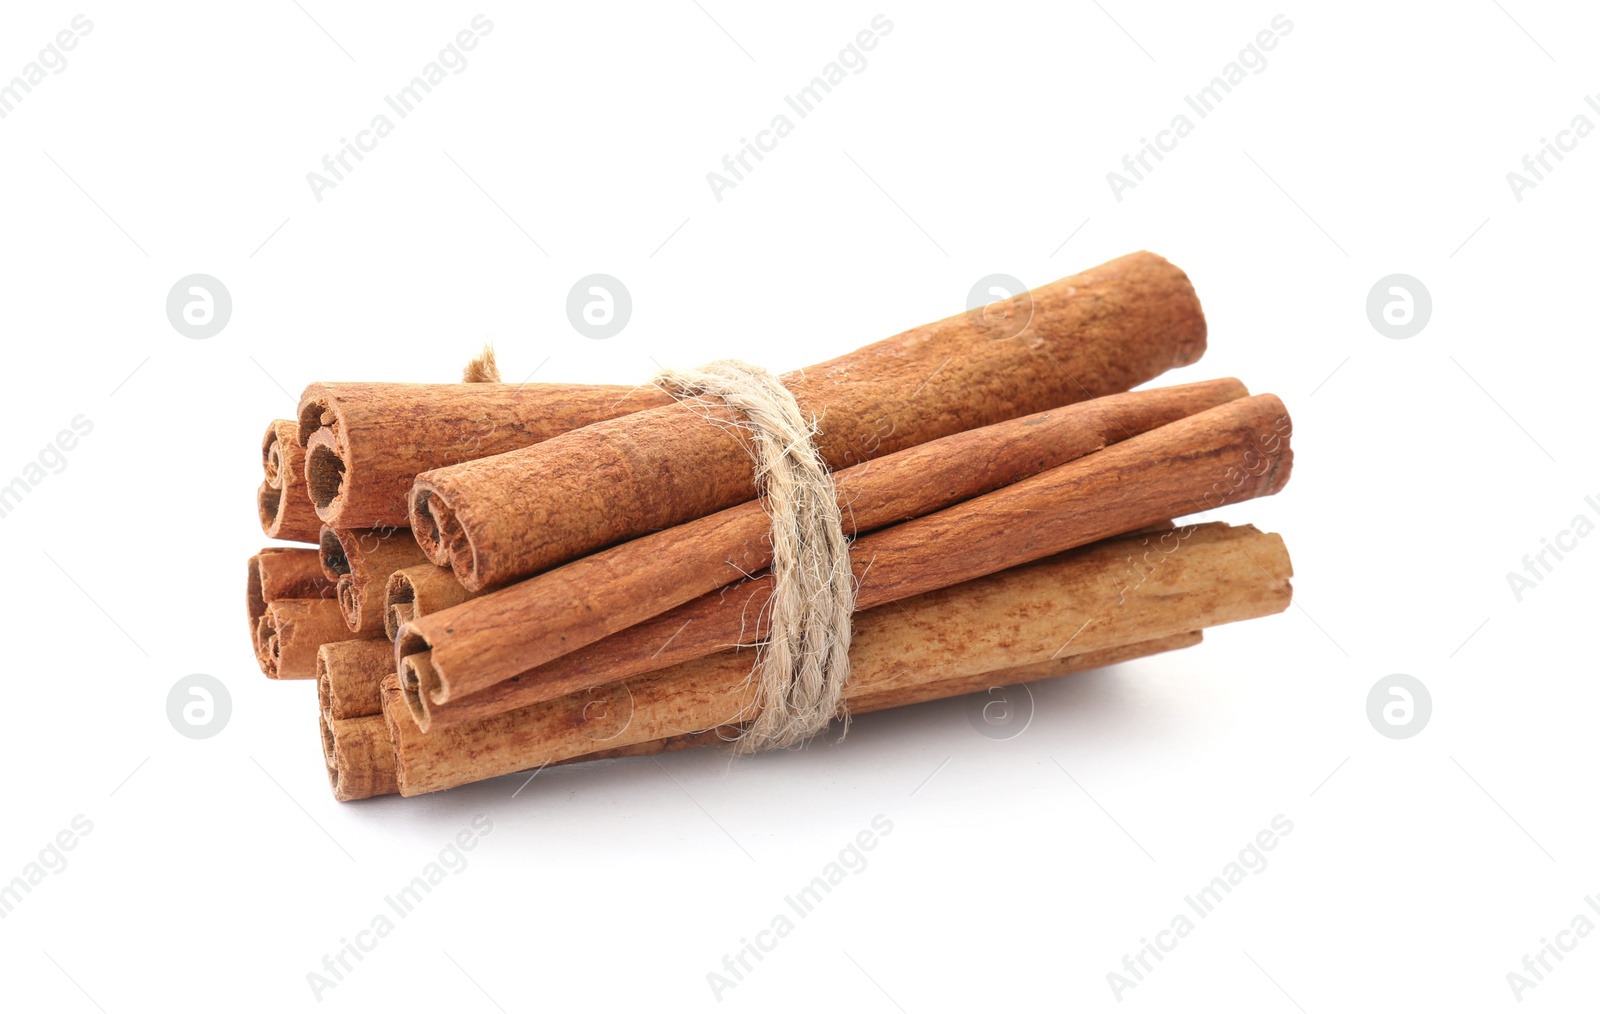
(289, 633)
(365, 442)
(1082, 599)
(1066, 665)
(361, 560)
(1099, 332)
(1050, 668)
(421, 590)
(574, 605)
(281, 572)
(363, 758)
(282, 503)
(1227, 454)
(348, 675)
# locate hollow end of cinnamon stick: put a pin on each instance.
(289, 633)
(364, 759)
(282, 506)
(399, 603)
(332, 553)
(349, 674)
(281, 572)
(419, 590)
(418, 681)
(439, 532)
(325, 472)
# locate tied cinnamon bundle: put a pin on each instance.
(589, 571)
(1106, 330)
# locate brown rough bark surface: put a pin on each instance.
(290, 632)
(348, 676)
(1104, 330)
(365, 442)
(363, 758)
(922, 693)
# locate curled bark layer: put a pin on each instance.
(282, 503)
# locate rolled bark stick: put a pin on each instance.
(1068, 663)
(421, 590)
(1227, 454)
(577, 604)
(361, 560)
(282, 503)
(1096, 333)
(365, 443)
(290, 632)
(363, 758)
(1084, 600)
(348, 675)
(1049, 669)
(283, 572)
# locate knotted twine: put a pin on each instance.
(801, 669)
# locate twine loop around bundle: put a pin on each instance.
(802, 668)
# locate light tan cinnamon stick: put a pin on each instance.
(574, 605)
(1082, 599)
(289, 633)
(365, 442)
(416, 591)
(283, 572)
(361, 560)
(1227, 454)
(348, 675)
(1105, 330)
(363, 758)
(282, 503)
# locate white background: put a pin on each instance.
(1377, 140)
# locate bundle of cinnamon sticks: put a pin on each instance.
(499, 577)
